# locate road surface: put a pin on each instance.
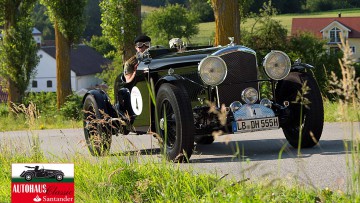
(257, 158)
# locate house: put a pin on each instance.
(330, 29)
(85, 63)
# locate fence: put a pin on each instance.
(3, 97)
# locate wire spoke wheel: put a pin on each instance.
(176, 122)
(96, 130)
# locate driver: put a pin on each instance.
(121, 88)
(142, 42)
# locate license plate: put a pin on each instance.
(256, 124)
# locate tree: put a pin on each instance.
(266, 34)
(227, 21)
(170, 22)
(93, 19)
(42, 22)
(69, 23)
(121, 23)
(18, 50)
(203, 9)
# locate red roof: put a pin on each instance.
(315, 25)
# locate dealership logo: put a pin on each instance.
(42, 183)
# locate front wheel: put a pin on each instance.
(310, 117)
(59, 177)
(96, 130)
(176, 127)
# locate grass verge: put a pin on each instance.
(14, 123)
(114, 179)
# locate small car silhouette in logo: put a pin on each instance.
(35, 172)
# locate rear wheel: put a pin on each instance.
(176, 126)
(96, 130)
(310, 119)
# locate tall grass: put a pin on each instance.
(348, 89)
(115, 179)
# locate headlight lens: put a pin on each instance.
(235, 106)
(266, 102)
(212, 70)
(249, 95)
(277, 65)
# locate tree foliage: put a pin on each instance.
(121, 24)
(102, 45)
(69, 23)
(69, 17)
(18, 49)
(172, 21)
(202, 9)
(93, 19)
(42, 22)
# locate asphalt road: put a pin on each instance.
(257, 157)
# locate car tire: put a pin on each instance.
(97, 134)
(28, 176)
(204, 140)
(59, 177)
(312, 117)
(174, 101)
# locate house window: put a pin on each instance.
(335, 35)
(34, 84)
(49, 83)
(352, 48)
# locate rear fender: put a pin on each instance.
(103, 101)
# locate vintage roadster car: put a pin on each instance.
(35, 172)
(184, 96)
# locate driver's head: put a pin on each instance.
(142, 42)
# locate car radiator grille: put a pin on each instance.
(242, 70)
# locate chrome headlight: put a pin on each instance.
(277, 65)
(250, 95)
(212, 70)
(235, 106)
(266, 102)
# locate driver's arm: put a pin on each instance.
(130, 67)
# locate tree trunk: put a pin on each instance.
(227, 21)
(128, 49)
(63, 77)
(13, 93)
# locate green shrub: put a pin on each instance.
(4, 111)
(45, 101)
(72, 107)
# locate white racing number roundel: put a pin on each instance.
(136, 100)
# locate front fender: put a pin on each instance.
(301, 67)
(168, 79)
(103, 101)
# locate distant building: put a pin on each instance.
(85, 63)
(330, 29)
